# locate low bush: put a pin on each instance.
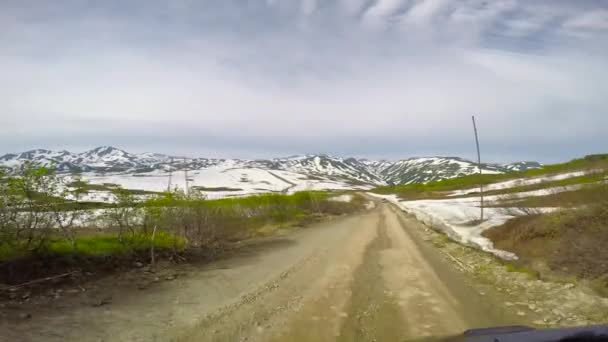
(569, 242)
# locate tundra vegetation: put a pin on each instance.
(42, 221)
(565, 243)
(597, 163)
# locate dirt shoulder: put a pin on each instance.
(540, 302)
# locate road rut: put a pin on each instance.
(365, 277)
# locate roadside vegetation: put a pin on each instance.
(566, 244)
(43, 227)
(558, 234)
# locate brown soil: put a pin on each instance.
(364, 277)
(569, 242)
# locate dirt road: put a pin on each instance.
(367, 277)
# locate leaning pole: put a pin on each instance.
(479, 167)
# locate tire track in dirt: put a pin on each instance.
(373, 314)
(365, 277)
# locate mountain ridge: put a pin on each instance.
(111, 160)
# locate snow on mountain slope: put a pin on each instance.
(522, 166)
(151, 171)
(423, 170)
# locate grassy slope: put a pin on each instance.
(108, 187)
(569, 243)
(439, 188)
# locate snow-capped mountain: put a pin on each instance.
(151, 171)
(522, 166)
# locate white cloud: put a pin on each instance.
(594, 20)
(352, 7)
(377, 13)
(235, 74)
(424, 10)
(308, 6)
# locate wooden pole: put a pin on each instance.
(479, 167)
(152, 256)
(186, 175)
(170, 174)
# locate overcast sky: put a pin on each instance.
(260, 78)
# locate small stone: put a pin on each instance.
(170, 277)
(509, 304)
(532, 306)
(138, 264)
(521, 313)
(102, 301)
(25, 315)
(568, 286)
(156, 279)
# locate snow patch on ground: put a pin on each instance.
(235, 181)
(521, 182)
(455, 218)
(458, 217)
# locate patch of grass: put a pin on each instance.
(588, 179)
(85, 186)
(590, 194)
(110, 244)
(522, 269)
(440, 241)
(96, 245)
(593, 161)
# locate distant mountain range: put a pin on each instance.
(107, 160)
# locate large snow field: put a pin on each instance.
(240, 181)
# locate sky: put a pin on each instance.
(268, 78)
